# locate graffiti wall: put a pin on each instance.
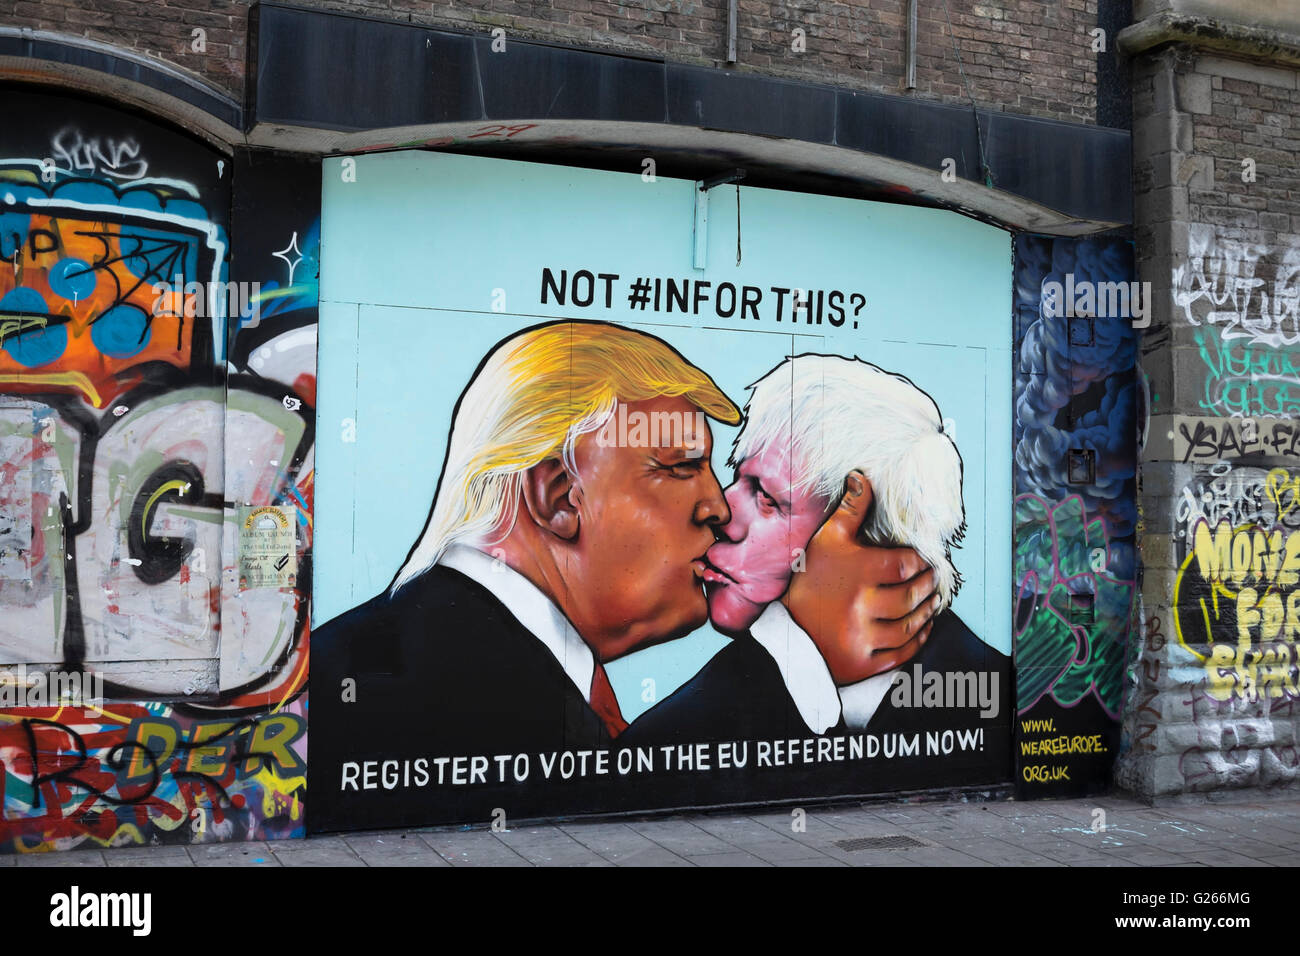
(157, 388)
(1219, 663)
(1075, 517)
(635, 495)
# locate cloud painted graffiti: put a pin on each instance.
(1075, 515)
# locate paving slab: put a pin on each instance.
(729, 859)
(1150, 855)
(148, 856)
(812, 861)
(616, 842)
(1245, 846)
(1007, 855)
(232, 854)
(874, 858)
(550, 846)
(472, 848)
(815, 832)
(64, 858)
(652, 855)
(682, 837)
(746, 834)
(324, 851)
(394, 848)
(1213, 856)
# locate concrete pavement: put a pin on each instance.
(1105, 831)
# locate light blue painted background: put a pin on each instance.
(412, 251)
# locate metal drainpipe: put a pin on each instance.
(731, 30)
(910, 81)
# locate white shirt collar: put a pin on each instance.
(819, 702)
(861, 700)
(533, 609)
(805, 673)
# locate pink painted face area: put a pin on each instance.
(752, 563)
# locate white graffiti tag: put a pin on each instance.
(119, 158)
(1226, 283)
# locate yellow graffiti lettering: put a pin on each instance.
(1266, 557)
(1272, 613)
(157, 740)
(1251, 673)
(272, 738)
(1258, 660)
(1276, 541)
(1275, 672)
(209, 760)
(1242, 552)
(1283, 491)
(1248, 615)
(1045, 773)
(1219, 677)
(1213, 555)
(1289, 574)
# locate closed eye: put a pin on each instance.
(764, 499)
(683, 470)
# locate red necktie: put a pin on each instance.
(605, 704)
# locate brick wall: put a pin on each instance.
(156, 28)
(1218, 211)
(1026, 56)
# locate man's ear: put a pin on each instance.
(547, 496)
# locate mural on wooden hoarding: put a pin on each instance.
(633, 522)
(1075, 512)
(156, 376)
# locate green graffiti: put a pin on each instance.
(1073, 617)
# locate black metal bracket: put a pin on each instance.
(721, 179)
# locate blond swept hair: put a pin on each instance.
(530, 400)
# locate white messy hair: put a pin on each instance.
(839, 414)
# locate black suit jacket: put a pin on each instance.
(740, 695)
(442, 670)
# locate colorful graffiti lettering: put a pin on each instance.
(139, 773)
(133, 429)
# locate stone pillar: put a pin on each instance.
(1211, 703)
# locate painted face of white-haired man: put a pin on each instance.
(803, 443)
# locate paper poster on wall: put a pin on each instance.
(268, 551)
(622, 498)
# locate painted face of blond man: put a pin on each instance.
(625, 535)
(610, 523)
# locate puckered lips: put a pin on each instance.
(709, 572)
